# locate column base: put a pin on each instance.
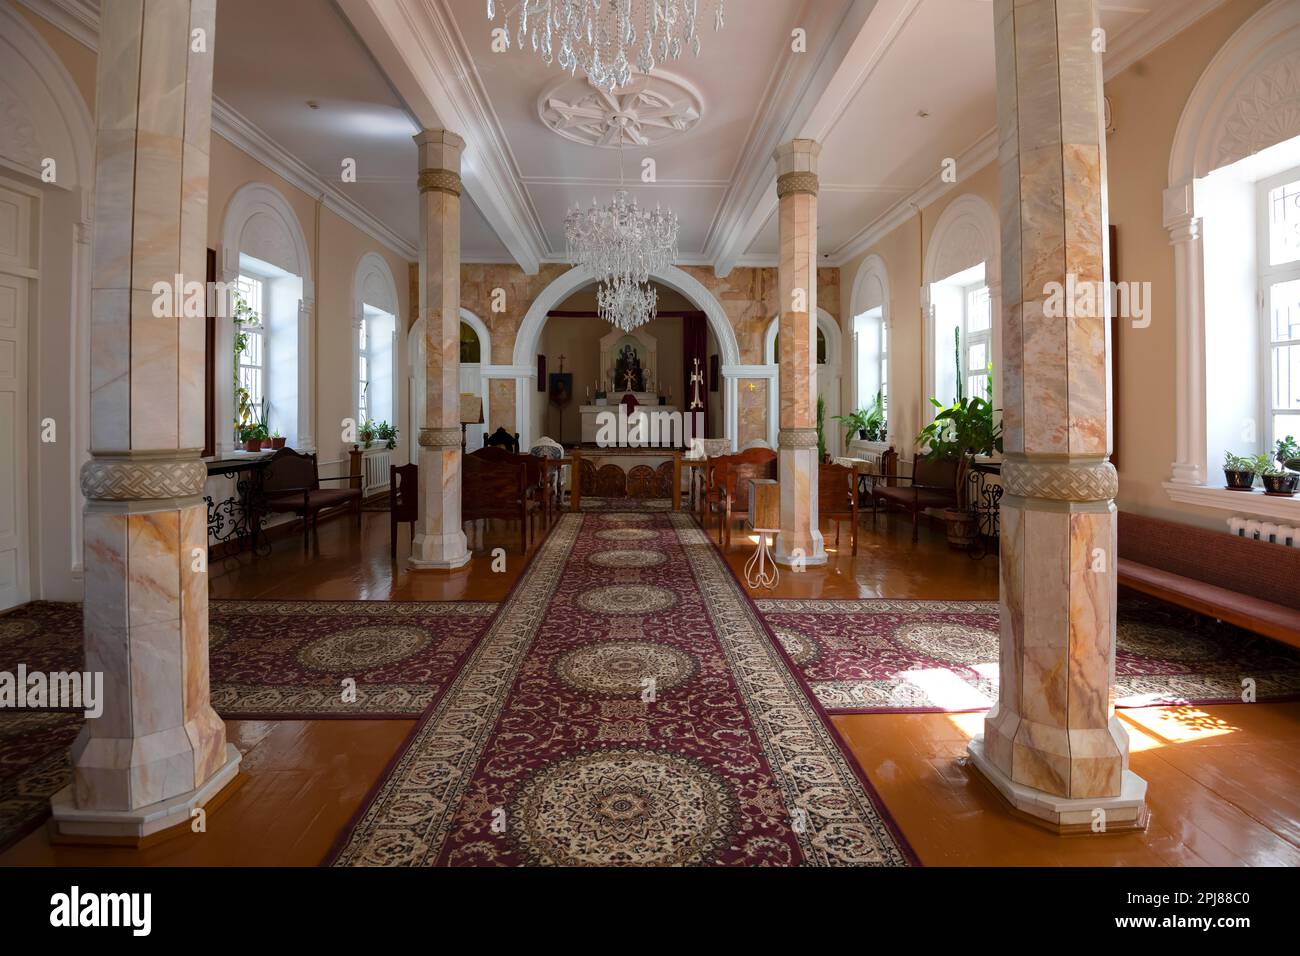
(445, 552)
(813, 555)
(72, 824)
(1067, 815)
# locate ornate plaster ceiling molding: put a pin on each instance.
(648, 111)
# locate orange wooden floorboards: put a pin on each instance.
(1224, 781)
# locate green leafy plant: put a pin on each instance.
(244, 316)
(1266, 467)
(1287, 451)
(1233, 462)
(367, 433)
(964, 427)
(870, 422)
(386, 433)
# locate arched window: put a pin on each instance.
(471, 351)
(375, 346)
(265, 348)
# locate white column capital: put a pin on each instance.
(797, 156)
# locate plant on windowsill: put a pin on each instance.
(367, 433)
(964, 428)
(1278, 482)
(868, 422)
(1238, 472)
(1287, 452)
(387, 434)
(277, 439)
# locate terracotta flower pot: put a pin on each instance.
(266, 443)
(962, 530)
(253, 444)
(277, 443)
(1239, 480)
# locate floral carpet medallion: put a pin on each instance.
(617, 716)
(942, 656)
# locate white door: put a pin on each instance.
(17, 276)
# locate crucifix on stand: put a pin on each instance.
(561, 392)
(697, 379)
(629, 380)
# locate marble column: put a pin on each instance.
(1053, 746)
(800, 539)
(439, 540)
(158, 751)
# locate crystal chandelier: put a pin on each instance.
(626, 304)
(621, 240)
(601, 36)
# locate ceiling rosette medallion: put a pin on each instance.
(646, 112)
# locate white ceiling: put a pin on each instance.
(871, 66)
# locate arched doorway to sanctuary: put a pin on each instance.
(550, 325)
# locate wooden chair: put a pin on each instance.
(403, 500)
(934, 484)
(837, 498)
(492, 486)
(502, 439)
(730, 479)
(291, 483)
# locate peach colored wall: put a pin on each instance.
(80, 62)
(904, 258)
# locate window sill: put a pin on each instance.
(1253, 503)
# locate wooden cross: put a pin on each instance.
(697, 379)
(562, 358)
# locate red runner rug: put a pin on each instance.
(626, 707)
(889, 656)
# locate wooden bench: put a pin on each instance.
(1252, 584)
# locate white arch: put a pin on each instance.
(43, 114)
(966, 234)
(530, 334)
(1245, 101)
(415, 357)
(870, 290)
(373, 285)
(834, 364)
(259, 222)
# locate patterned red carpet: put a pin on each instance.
(289, 659)
(626, 707)
(33, 767)
(885, 656)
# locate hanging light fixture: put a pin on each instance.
(626, 304)
(600, 37)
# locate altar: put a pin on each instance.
(654, 431)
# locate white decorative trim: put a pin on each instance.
(872, 268)
(244, 135)
(969, 162)
(425, 57)
(577, 111)
(1240, 81)
(1253, 503)
(1155, 29)
(79, 19)
(530, 330)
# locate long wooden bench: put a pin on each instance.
(1252, 584)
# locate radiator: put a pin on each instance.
(374, 471)
(1283, 534)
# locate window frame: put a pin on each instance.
(982, 336)
(1270, 275)
(258, 304)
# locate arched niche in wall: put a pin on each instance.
(261, 235)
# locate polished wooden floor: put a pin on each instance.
(1224, 781)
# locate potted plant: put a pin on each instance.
(250, 436)
(277, 440)
(868, 422)
(1287, 452)
(1277, 480)
(1238, 472)
(387, 434)
(966, 427)
(367, 433)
